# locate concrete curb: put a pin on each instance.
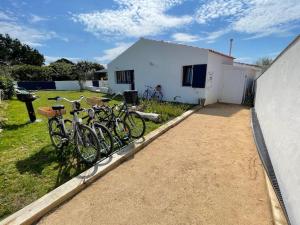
(277, 213)
(51, 200)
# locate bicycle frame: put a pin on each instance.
(75, 121)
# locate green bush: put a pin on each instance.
(7, 85)
(32, 73)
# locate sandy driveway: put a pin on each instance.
(203, 171)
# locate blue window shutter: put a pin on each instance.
(199, 76)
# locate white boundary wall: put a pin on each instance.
(74, 85)
(277, 105)
(67, 85)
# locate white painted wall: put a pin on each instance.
(156, 62)
(214, 76)
(277, 104)
(67, 85)
(233, 85)
(71, 85)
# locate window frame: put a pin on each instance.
(184, 84)
(123, 76)
(192, 77)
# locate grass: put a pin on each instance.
(29, 166)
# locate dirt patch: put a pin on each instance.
(204, 171)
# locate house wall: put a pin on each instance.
(234, 82)
(277, 105)
(156, 63)
(215, 76)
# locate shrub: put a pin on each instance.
(32, 73)
(7, 85)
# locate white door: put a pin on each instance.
(233, 86)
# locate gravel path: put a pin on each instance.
(203, 171)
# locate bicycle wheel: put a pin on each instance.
(145, 95)
(136, 124)
(105, 138)
(87, 144)
(56, 133)
(122, 130)
(157, 96)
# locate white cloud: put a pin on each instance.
(184, 37)
(268, 17)
(208, 37)
(256, 17)
(218, 8)
(134, 18)
(50, 59)
(6, 16)
(211, 37)
(112, 53)
(35, 18)
(25, 34)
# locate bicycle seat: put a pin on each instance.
(105, 99)
(58, 107)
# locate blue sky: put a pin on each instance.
(99, 30)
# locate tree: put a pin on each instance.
(264, 63)
(6, 82)
(62, 71)
(64, 60)
(31, 73)
(13, 52)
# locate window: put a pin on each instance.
(187, 75)
(124, 77)
(194, 75)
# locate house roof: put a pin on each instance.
(281, 53)
(173, 43)
(247, 64)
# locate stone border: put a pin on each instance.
(277, 213)
(34, 211)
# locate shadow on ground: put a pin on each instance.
(14, 126)
(67, 166)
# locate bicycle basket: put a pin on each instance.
(49, 112)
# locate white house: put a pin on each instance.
(190, 73)
(277, 106)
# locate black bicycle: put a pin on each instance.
(107, 115)
(134, 120)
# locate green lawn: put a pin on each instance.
(29, 166)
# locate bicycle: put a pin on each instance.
(135, 121)
(153, 93)
(104, 135)
(106, 115)
(63, 131)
